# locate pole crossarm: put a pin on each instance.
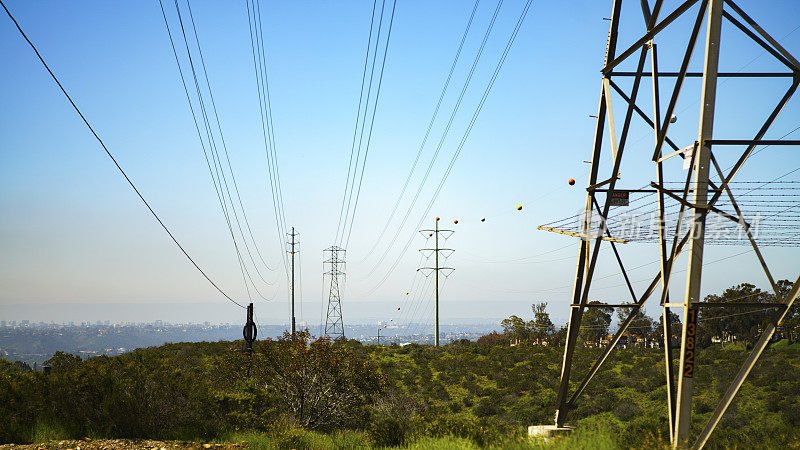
(435, 251)
(751, 142)
(700, 74)
(746, 304)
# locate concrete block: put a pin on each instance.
(546, 432)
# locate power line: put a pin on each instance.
(220, 180)
(371, 124)
(427, 131)
(358, 119)
(205, 153)
(224, 146)
(259, 63)
(363, 121)
(441, 140)
(466, 134)
(108, 152)
(271, 122)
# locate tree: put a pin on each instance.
(63, 362)
(542, 328)
(559, 337)
(595, 322)
(735, 323)
(675, 327)
(791, 322)
(515, 328)
(494, 338)
(641, 326)
(320, 385)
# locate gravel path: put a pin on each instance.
(104, 444)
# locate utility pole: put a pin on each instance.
(293, 242)
(379, 336)
(436, 268)
(334, 326)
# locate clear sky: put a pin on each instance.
(72, 231)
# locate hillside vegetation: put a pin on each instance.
(319, 394)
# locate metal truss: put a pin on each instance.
(695, 201)
(334, 325)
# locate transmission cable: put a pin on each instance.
(441, 140)
(427, 132)
(220, 178)
(222, 139)
(464, 138)
(371, 125)
(256, 47)
(111, 156)
(358, 119)
(220, 174)
(265, 79)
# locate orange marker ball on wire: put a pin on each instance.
(519, 207)
(571, 182)
(455, 221)
(437, 219)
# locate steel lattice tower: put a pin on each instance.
(334, 326)
(704, 183)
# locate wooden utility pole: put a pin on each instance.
(293, 242)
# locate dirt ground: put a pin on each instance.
(88, 444)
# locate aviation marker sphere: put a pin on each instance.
(437, 219)
(572, 182)
(519, 207)
(483, 219)
(455, 221)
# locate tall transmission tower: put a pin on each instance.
(701, 188)
(292, 250)
(436, 268)
(334, 326)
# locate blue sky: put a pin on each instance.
(73, 232)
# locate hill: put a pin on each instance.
(320, 394)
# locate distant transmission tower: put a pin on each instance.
(436, 269)
(334, 326)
